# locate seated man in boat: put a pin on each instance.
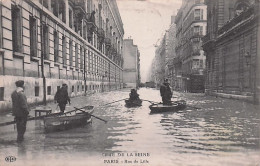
(62, 97)
(166, 92)
(133, 95)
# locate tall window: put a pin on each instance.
(70, 18)
(81, 57)
(16, 29)
(197, 14)
(76, 56)
(55, 7)
(71, 53)
(64, 51)
(33, 36)
(56, 46)
(45, 38)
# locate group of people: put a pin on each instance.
(20, 109)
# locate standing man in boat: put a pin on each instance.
(20, 109)
(62, 97)
(166, 92)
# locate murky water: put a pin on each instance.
(222, 132)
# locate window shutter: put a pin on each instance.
(201, 14)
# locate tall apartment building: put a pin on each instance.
(131, 69)
(50, 42)
(190, 59)
(232, 47)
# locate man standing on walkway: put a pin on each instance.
(166, 93)
(62, 97)
(20, 109)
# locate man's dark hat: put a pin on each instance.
(64, 85)
(19, 83)
(165, 80)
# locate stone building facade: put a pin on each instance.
(131, 69)
(232, 49)
(191, 21)
(50, 42)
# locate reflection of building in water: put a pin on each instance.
(50, 42)
(131, 65)
(232, 49)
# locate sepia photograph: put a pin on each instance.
(129, 82)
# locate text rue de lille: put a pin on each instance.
(126, 158)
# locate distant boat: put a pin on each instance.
(173, 107)
(133, 103)
(69, 120)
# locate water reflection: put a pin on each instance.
(222, 132)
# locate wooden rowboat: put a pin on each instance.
(173, 107)
(134, 103)
(76, 118)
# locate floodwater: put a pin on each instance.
(221, 132)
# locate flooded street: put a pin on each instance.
(221, 132)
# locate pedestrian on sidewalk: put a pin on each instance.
(62, 97)
(20, 109)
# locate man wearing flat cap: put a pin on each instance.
(62, 97)
(20, 109)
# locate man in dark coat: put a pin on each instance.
(62, 97)
(133, 95)
(20, 109)
(166, 92)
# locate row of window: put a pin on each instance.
(17, 41)
(37, 89)
(79, 25)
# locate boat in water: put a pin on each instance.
(68, 120)
(133, 103)
(173, 107)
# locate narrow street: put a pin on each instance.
(221, 132)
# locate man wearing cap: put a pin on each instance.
(62, 97)
(20, 109)
(166, 93)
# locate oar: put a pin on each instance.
(113, 102)
(152, 102)
(91, 114)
